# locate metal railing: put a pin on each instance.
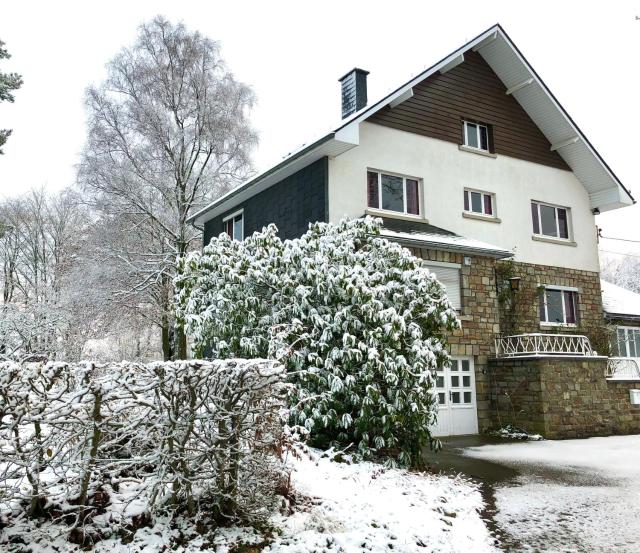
(623, 368)
(526, 345)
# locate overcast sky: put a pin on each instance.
(292, 55)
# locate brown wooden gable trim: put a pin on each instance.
(470, 91)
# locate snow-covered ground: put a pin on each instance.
(340, 508)
(573, 495)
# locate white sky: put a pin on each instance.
(292, 55)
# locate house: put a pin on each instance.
(622, 312)
(477, 169)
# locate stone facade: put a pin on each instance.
(561, 397)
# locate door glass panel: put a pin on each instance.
(465, 365)
(548, 220)
(466, 381)
(442, 398)
(440, 381)
(455, 397)
(467, 397)
(455, 381)
(454, 364)
(392, 194)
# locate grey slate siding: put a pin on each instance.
(291, 204)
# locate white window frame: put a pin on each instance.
(627, 329)
(404, 178)
(546, 322)
(479, 147)
(233, 216)
(483, 193)
(569, 237)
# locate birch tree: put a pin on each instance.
(168, 131)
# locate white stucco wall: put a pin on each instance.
(445, 171)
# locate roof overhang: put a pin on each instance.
(605, 190)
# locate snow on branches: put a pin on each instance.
(94, 447)
(358, 321)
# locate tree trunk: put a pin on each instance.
(166, 338)
(181, 342)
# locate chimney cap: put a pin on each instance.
(354, 70)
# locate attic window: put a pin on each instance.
(476, 135)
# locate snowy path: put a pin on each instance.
(570, 496)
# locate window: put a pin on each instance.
(628, 341)
(393, 193)
(559, 306)
(475, 135)
(478, 202)
(550, 220)
(234, 225)
(449, 276)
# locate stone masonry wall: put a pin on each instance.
(561, 397)
(479, 319)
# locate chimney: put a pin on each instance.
(354, 91)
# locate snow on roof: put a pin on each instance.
(619, 302)
(422, 234)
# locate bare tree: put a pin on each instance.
(624, 272)
(167, 132)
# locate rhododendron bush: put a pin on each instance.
(357, 320)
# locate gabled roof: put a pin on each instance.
(619, 303)
(605, 190)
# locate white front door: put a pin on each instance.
(456, 390)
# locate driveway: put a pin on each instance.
(555, 496)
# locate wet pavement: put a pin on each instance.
(551, 496)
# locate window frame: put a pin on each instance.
(404, 178)
(478, 125)
(628, 330)
(232, 217)
(483, 193)
(555, 207)
(576, 306)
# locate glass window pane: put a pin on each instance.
(548, 220)
(467, 397)
(454, 364)
(465, 364)
(534, 216)
(455, 397)
(633, 352)
(372, 190)
(472, 135)
(442, 398)
(466, 200)
(488, 204)
(484, 138)
(413, 202)
(476, 202)
(570, 307)
(455, 381)
(392, 193)
(554, 306)
(440, 381)
(622, 343)
(466, 381)
(543, 316)
(636, 334)
(563, 225)
(237, 228)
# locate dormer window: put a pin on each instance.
(234, 225)
(476, 135)
(391, 192)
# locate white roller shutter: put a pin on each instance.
(449, 277)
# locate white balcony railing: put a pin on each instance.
(526, 345)
(623, 368)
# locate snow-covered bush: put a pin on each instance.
(358, 321)
(164, 437)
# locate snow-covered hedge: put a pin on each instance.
(172, 436)
(358, 321)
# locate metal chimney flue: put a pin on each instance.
(354, 91)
